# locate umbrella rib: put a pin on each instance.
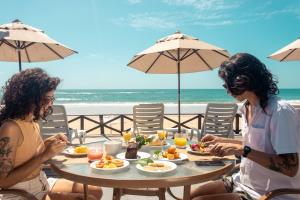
(287, 55)
(202, 59)
(185, 54)
(183, 58)
(161, 53)
(168, 56)
(221, 53)
(27, 55)
(53, 51)
(172, 55)
(9, 44)
(135, 59)
(28, 45)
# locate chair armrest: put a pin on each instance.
(18, 192)
(277, 192)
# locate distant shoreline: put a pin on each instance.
(126, 108)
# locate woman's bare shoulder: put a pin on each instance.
(10, 128)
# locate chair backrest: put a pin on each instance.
(218, 119)
(57, 122)
(148, 118)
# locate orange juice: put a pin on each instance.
(161, 135)
(180, 141)
(127, 136)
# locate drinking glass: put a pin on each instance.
(180, 140)
(127, 137)
(94, 153)
(162, 136)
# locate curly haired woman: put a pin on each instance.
(28, 97)
(270, 144)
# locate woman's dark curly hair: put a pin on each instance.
(25, 92)
(244, 72)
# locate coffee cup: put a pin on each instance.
(112, 147)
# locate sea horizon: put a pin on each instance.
(123, 96)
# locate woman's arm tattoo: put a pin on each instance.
(6, 164)
(285, 163)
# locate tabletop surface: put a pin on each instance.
(78, 169)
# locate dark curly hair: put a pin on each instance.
(244, 72)
(25, 92)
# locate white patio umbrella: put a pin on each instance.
(22, 43)
(176, 54)
(288, 53)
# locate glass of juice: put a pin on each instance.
(94, 153)
(162, 136)
(127, 137)
(180, 140)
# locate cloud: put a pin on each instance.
(205, 5)
(205, 13)
(134, 1)
(146, 20)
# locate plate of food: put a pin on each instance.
(198, 149)
(132, 153)
(138, 156)
(155, 167)
(76, 151)
(109, 165)
(171, 154)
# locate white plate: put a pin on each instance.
(93, 166)
(158, 146)
(173, 166)
(70, 151)
(183, 156)
(140, 155)
(189, 150)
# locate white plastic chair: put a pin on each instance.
(218, 120)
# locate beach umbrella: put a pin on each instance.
(179, 53)
(288, 53)
(23, 43)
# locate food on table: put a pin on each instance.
(109, 162)
(145, 161)
(171, 153)
(81, 149)
(157, 167)
(153, 140)
(200, 147)
(127, 136)
(131, 152)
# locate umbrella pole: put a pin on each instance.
(19, 57)
(178, 77)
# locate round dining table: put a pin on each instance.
(186, 174)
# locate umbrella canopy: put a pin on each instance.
(176, 54)
(288, 53)
(22, 43)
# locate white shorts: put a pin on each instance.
(38, 186)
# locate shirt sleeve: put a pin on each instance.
(284, 129)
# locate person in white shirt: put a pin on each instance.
(270, 136)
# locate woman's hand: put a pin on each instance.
(52, 148)
(58, 137)
(209, 139)
(225, 149)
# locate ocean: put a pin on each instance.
(188, 96)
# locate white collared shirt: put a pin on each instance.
(273, 132)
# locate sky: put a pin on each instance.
(108, 33)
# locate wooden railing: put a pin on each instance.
(103, 125)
